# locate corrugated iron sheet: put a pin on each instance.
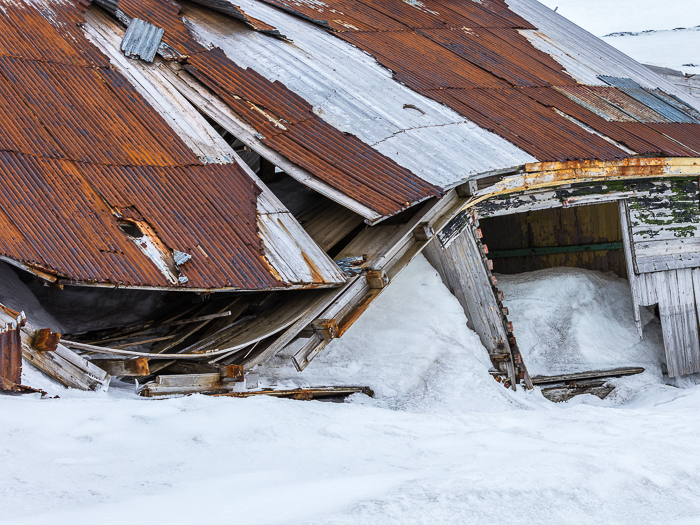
(585, 104)
(236, 12)
(141, 40)
(634, 90)
(81, 151)
(467, 54)
(357, 96)
(546, 132)
(288, 124)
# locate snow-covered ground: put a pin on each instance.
(441, 443)
(660, 33)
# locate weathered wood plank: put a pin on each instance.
(594, 374)
(306, 353)
(123, 367)
(62, 364)
(679, 321)
(329, 223)
(660, 263)
(306, 394)
(628, 249)
(180, 384)
(559, 394)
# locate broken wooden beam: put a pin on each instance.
(311, 349)
(63, 365)
(558, 394)
(377, 279)
(423, 232)
(468, 189)
(124, 367)
(577, 376)
(306, 393)
(208, 383)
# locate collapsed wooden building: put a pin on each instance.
(203, 185)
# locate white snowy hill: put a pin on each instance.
(665, 34)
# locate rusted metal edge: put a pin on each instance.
(629, 162)
(552, 174)
(61, 281)
(68, 282)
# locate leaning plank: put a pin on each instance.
(312, 311)
(63, 365)
(67, 367)
(628, 249)
(594, 374)
(306, 353)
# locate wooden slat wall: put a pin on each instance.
(664, 226)
(575, 226)
(675, 292)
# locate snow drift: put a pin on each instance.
(442, 442)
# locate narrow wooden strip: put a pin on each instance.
(594, 374)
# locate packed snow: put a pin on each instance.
(652, 32)
(441, 441)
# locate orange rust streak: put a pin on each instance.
(356, 312)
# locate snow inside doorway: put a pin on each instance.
(564, 277)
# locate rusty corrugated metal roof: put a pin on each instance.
(223, 6)
(96, 187)
(287, 123)
(472, 57)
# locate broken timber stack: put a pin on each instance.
(243, 178)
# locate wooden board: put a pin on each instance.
(593, 374)
(329, 223)
(664, 222)
(675, 291)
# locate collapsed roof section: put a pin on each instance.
(476, 87)
(285, 121)
(98, 188)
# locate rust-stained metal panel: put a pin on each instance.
(287, 123)
(683, 132)
(97, 188)
(11, 353)
(582, 103)
(234, 11)
(450, 51)
(489, 51)
(39, 35)
(421, 63)
(530, 125)
(649, 99)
